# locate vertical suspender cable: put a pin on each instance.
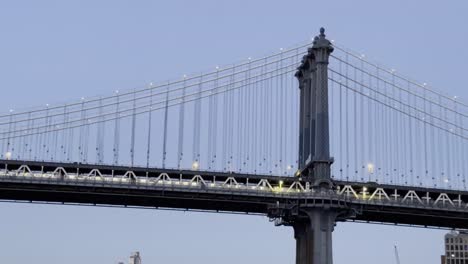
(239, 129)
(264, 117)
(224, 142)
(370, 139)
(440, 147)
(150, 120)
(36, 141)
(215, 120)
(47, 136)
(404, 139)
(280, 107)
(196, 125)
(277, 119)
(433, 150)
(181, 126)
(231, 122)
(86, 137)
(80, 131)
(256, 125)
(132, 139)
(363, 123)
(456, 143)
(65, 133)
(424, 119)
(346, 72)
(464, 148)
(210, 126)
(30, 138)
(55, 142)
(355, 128)
(448, 149)
(70, 142)
(377, 129)
(376, 135)
(116, 129)
(248, 136)
(99, 134)
(270, 120)
(226, 147)
(385, 137)
(8, 147)
(396, 132)
(410, 125)
(166, 108)
(341, 116)
(20, 143)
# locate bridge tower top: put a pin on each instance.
(322, 47)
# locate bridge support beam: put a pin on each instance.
(313, 236)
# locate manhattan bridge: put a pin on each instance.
(309, 136)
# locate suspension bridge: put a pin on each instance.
(309, 136)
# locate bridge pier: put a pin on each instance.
(313, 234)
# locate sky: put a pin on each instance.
(57, 51)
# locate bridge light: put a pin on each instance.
(281, 184)
(364, 189)
(370, 168)
(8, 155)
(298, 173)
(195, 165)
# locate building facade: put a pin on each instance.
(456, 248)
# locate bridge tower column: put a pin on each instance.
(313, 225)
(313, 218)
(321, 161)
(314, 139)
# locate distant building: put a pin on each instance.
(135, 258)
(456, 248)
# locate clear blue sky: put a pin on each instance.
(53, 51)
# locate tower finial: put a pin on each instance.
(322, 31)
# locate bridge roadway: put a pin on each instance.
(108, 185)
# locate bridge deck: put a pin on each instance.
(72, 183)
